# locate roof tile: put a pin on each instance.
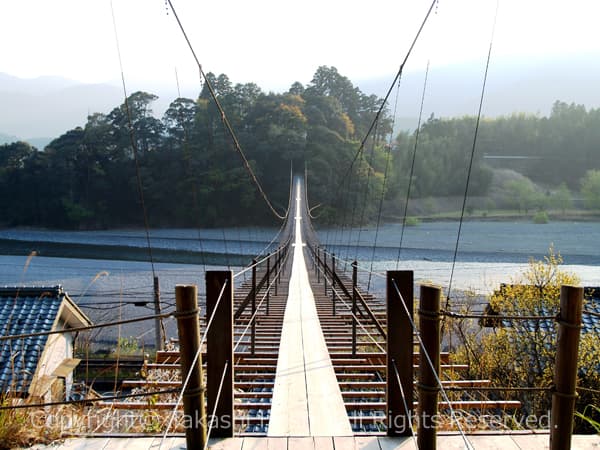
(24, 310)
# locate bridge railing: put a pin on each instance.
(325, 266)
(269, 268)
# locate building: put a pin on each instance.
(38, 367)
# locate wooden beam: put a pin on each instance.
(399, 295)
(219, 350)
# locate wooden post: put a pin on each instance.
(159, 337)
(429, 324)
(354, 310)
(333, 282)
(325, 271)
(318, 265)
(268, 280)
(399, 352)
(219, 352)
(565, 371)
(188, 328)
(252, 318)
(277, 265)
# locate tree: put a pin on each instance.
(523, 194)
(521, 353)
(590, 188)
(562, 198)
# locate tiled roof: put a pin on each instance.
(25, 310)
(590, 320)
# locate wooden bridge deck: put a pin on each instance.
(306, 397)
(527, 441)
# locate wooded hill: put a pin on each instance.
(192, 176)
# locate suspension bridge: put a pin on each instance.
(298, 355)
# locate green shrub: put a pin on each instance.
(541, 217)
(412, 221)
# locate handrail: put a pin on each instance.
(338, 281)
(281, 252)
(371, 314)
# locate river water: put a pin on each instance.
(488, 253)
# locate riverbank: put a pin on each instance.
(117, 252)
(504, 216)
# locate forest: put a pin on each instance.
(191, 175)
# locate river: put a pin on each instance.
(488, 253)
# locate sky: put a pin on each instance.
(276, 42)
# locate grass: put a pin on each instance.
(508, 214)
(584, 416)
(412, 221)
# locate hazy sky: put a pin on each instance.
(277, 42)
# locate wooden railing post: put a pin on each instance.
(399, 352)
(188, 328)
(333, 282)
(159, 335)
(318, 265)
(268, 280)
(565, 371)
(325, 271)
(219, 352)
(429, 324)
(252, 318)
(354, 310)
(276, 269)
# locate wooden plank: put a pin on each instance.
(366, 443)
(323, 443)
(83, 444)
(177, 443)
(397, 443)
(129, 443)
(585, 442)
(251, 443)
(225, 443)
(343, 442)
(170, 443)
(305, 381)
(301, 443)
(485, 442)
(275, 443)
(537, 441)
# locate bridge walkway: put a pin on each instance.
(306, 398)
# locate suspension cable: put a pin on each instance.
(253, 317)
(384, 102)
(225, 120)
(405, 403)
(383, 187)
(196, 356)
(396, 79)
(133, 142)
(349, 308)
(369, 167)
(417, 333)
(214, 411)
(412, 166)
(475, 135)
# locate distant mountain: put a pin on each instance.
(39, 142)
(46, 107)
(7, 138)
(529, 86)
(33, 86)
(49, 106)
